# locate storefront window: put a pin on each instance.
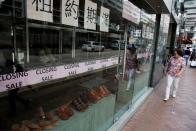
(64, 63)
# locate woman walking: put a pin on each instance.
(131, 65)
(175, 69)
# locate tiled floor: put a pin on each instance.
(177, 114)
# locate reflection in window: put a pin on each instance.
(44, 46)
(67, 46)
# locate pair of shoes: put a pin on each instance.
(64, 112)
(79, 105)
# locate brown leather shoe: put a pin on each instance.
(54, 120)
(101, 91)
(93, 94)
(31, 125)
(64, 112)
(46, 125)
(17, 127)
(106, 90)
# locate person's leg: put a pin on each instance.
(186, 58)
(176, 84)
(130, 78)
(169, 83)
(12, 101)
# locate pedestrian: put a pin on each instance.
(186, 54)
(131, 65)
(174, 71)
(193, 54)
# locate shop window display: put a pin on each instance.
(66, 104)
(70, 64)
(44, 45)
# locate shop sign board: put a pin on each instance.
(137, 33)
(40, 10)
(20, 79)
(104, 19)
(69, 12)
(90, 15)
(131, 12)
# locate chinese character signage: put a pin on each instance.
(69, 15)
(104, 19)
(90, 15)
(40, 10)
(131, 12)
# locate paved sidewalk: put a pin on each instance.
(178, 114)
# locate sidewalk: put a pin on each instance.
(177, 114)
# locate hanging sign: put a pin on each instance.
(131, 12)
(69, 12)
(104, 19)
(90, 15)
(40, 10)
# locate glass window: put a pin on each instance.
(43, 47)
(67, 46)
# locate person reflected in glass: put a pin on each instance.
(131, 65)
(175, 68)
(13, 94)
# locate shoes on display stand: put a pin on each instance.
(53, 119)
(64, 112)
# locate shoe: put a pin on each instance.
(79, 105)
(174, 95)
(127, 89)
(54, 120)
(46, 125)
(101, 91)
(64, 112)
(166, 99)
(17, 127)
(31, 125)
(93, 94)
(106, 90)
